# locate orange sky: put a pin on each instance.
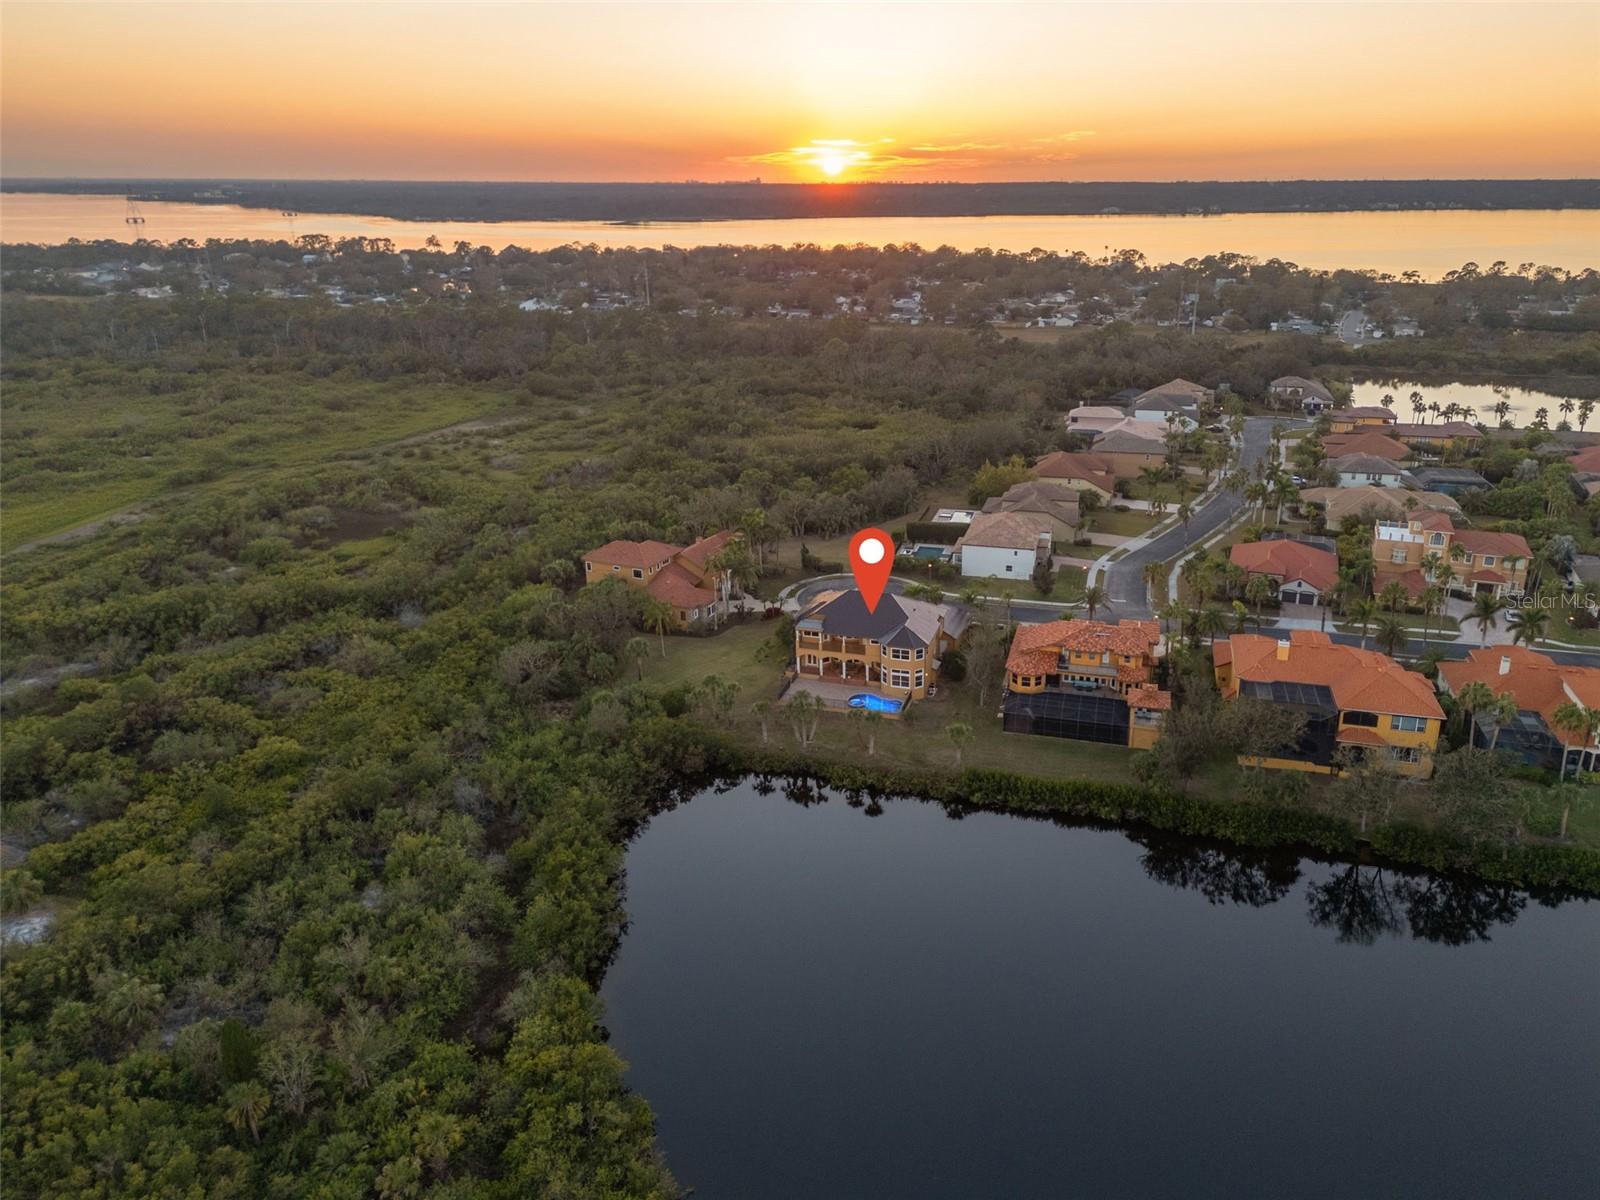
(614, 92)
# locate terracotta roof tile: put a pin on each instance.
(1358, 679)
(1037, 648)
(1539, 683)
(677, 587)
(633, 554)
(1287, 561)
(1148, 695)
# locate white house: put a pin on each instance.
(1004, 545)
(1363, 470)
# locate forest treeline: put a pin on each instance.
(447, 201)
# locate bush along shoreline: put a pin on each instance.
(1128, 806)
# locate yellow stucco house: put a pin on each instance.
(1361, 418)
(1350, 697)
(679, 576)
(894, 651)
(1089, 680)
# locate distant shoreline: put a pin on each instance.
(682, 203)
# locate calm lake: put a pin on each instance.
(1431, 243)
(820, 1002)
(1482, 397)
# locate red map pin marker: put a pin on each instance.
(871, 560)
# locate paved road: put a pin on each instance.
(1351, 325)
(1124, 579)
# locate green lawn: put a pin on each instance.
(745, 654)
(1174, 491)
(1124, 524)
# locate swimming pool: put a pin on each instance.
(930, 552)
(876, 703)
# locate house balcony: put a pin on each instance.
(833, 645)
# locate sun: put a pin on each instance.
(832, 164)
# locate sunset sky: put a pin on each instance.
(800, 92)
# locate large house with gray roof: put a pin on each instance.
(894, 651)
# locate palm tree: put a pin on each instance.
(1432, 601)
(1584, 724)
(1093, 597)
(247, 1103)
(638, 649)
(1390, 634)
(1362, 612)
(1527, 625)
(1258, 590)
(804, 711)
(1474, 698)
(761, 710)
(658, 618)
(1185, 512)
(959, 733)
(1155, 574)
(1393, 597)
(1209, 622)
(1485, 607)
(1172, 614)
(1500, 714)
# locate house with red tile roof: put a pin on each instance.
(1540, 686)
(1302, 574)
(1093, 680)
(1080, 470)
(1366, 441)
(1349, 697)
(1481, 560)
(682, 577)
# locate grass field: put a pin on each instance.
(79, 451)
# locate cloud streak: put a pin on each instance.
(853, 158)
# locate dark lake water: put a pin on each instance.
(823, 1003)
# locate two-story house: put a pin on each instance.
(682, 577)
(1090, 680)
(1360, 417)
(1310, 395)
(1366, 470)
(893, 651)
(1540, 686)
(1480, 560)
(1350, 698)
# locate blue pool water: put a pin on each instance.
(875, 703)
(929, 552)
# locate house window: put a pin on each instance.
(1488, 560)
(1365, 719)
(1408, 754)
(694, 614)
(1467, 558)
(919, 654)
(1408, 724)
(615, 567)
(900, 679)
(921, 678)
(1398, 556)
(1436, 539)
(587, 566)
(1008, 568)
(810, 660)
(637, 573)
